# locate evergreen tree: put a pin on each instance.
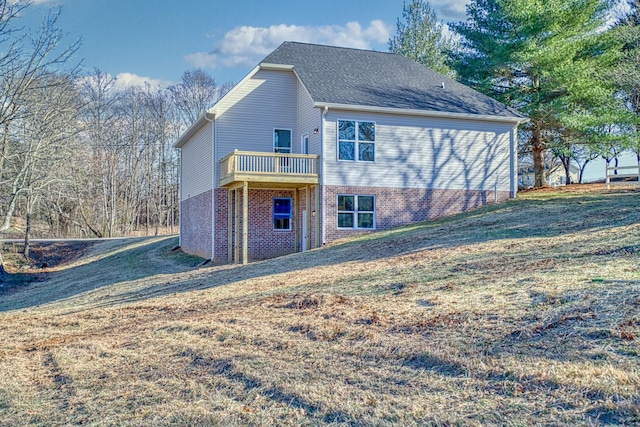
(627, 75)
(546, 59)
(419, 36)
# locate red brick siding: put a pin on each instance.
(195, 227)
(394, 207)
(402, 206)
(264, 241)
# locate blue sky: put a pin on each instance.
(158, 40)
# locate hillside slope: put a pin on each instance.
(522, 313)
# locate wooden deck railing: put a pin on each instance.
(261, 166)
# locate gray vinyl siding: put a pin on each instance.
(196, 168)
(308, 120)
(245, 120)
(421, 152)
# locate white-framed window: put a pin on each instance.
(282, 213)
(356, 140)
(357, 212)
(282, 141)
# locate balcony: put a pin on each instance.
(269, 169)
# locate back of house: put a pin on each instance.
(319, 142)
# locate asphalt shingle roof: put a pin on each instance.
(339, 75)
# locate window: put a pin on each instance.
(356, 211)
(356, 140)
(281, 213)
(282, 141)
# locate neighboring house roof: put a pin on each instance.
(336, 75)
(372, 81)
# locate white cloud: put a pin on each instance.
(127, 80)
(450, 10)
(246, 45)
(202, 59)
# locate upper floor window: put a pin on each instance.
(282, 141)
(356, 140)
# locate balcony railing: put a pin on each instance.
(268, 167)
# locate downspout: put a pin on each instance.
(514, 161)
(213, 183)
(322, 176)
(180, 199)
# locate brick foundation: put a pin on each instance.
(394, 207)
(195, 226)
(402, 206)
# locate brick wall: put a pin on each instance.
(195, 227)
(402, 206)
(263, 241)
(394, 207)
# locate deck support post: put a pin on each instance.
(229, 226)
(307, 200)
(318, 241)
(236, 234)
(296, 227)
(245, 221)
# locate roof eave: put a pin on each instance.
(211, 113)
(275, 67)
(423, 113)
(195, 127)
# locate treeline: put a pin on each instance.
(80, 157)
(571, 66)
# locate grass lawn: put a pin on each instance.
(522, 313)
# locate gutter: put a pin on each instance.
(423, 113)
(211, 120)
(193, 129)
(322, 176)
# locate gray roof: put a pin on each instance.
(336, 75)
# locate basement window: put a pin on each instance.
(356, 212)
(281, 213)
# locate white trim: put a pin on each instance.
(275, 67)
(302, 84)
(212, 111)
(323, 180)
(303, 149)
(514, 161)
(193, 129)
(213, 186)
(179, 201)
(425, 113)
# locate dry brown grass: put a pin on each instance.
(523, 313)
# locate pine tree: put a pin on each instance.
(545, 58)
(419, 36)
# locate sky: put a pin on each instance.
(156, 41)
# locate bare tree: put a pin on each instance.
(196, 92)
(46, 144)
(28, 65)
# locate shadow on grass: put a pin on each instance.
(225, 368)
(515, 219)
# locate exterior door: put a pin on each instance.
(304, 144)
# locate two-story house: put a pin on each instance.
(320, 142)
